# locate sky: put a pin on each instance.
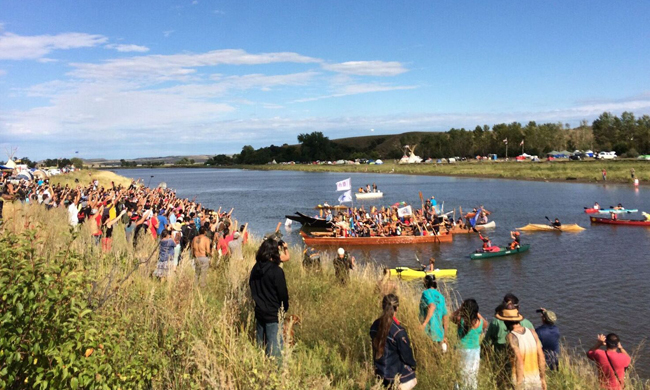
(126, 79)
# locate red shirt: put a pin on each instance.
(223, 245)
(619, 360)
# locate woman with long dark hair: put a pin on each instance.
(391, 347)
(470, 326)
(269, 290)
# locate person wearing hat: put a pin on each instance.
(549, 335)
(527, 358)
(343, 263)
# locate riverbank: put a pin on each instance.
(565, 171)
(173, 334)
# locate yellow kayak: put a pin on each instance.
(538, 227)
(406, 273)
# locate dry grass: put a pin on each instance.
(85, 176)
(191, 337)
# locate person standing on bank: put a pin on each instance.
(549, 335)
(471, 325)
(269, 291)
(612, 362)
(527, 357)
(433, 311)
(202, 251)
(391, 348)
(343, 263)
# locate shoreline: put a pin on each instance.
(618, 172)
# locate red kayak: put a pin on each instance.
(629, 222)
(591, 211)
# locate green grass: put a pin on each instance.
(85, 176)
(581, 171)
(175, 335)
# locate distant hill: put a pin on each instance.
(384, 144)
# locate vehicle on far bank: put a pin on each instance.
(577, 156)
(644, 157)
(606, 156)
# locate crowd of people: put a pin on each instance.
(520, 353)
(178, 224)
(389, 221)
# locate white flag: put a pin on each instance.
(404, 211)
(344, 185)
(505, 141)
(346, 196)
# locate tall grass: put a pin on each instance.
(176, 335)
(85, 176)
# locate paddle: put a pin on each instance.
(419, 262)
(554, 227)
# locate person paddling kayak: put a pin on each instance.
(556, 224)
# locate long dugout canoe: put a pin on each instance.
(365, 241)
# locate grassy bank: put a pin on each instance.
(85, 176)
(74, 317)
(581, 171)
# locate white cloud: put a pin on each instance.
(195, 2)
(168, 33)
(355, 89)
(367, 68)
(127, 48)
(218, 12)
(46, 60)
(178, 66)
(17, 47)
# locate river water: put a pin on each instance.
(596, 281)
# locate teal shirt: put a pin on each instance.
(434, 328)
(471, 339)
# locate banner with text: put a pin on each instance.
(404, 211)
(344, 185)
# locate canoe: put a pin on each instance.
(488, 225)
(310, 222)
(627, 222)
(368, 195)
(502, 252)
(406, 273)
(607, 211)
(536, 227)
(322, 240)
(591, 210)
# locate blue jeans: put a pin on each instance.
(269, 335)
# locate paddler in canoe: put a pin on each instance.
(487, 245)
(516, 240)
(619, 207)
(556, 224)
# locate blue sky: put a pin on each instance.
(152, 78)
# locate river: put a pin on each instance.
(596, 281)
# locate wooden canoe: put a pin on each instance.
(626, 222)
(391, 240)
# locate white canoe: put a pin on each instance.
(488, 225)
(369, 195)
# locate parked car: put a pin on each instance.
(606, 155)
(577, 156)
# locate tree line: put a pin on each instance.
(627, 135)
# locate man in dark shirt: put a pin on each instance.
(549, 336)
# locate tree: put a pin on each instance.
(77, 162)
